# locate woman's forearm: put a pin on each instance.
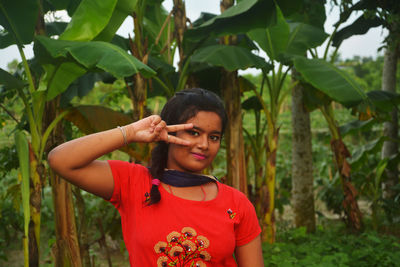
(80, 152)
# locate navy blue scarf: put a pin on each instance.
(184, 179)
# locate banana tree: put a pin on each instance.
(234, 20)
(334, 84)
(375, 14)
(63, 61)
(281, 42)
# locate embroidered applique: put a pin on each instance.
(183, 249)
(146, 197)
(231, 213)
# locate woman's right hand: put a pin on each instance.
(154, 129)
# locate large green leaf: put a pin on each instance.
(89, 20)
(359, 6)
(240, 18)
(160, 66)
(311, 12)
(110, 58)
(23, 156)
(55, 28)
(229, 57)
(384, 101)
(19, 17)
(356, 126)
(360, 155)
(358, 27)
(274, 39)
(77, 57)
(283, 40)
(303, 37)
(6, 39)
(123, 9)
(330, 80)
(59, 77)
(9, 81)
(82, 86)
(314, 98)
(252, 103)
(154, 18)
(54, 5)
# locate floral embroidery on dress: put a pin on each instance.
(183, 249)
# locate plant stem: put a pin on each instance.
(27, 70)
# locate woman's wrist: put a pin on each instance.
(130, 133)
(124, 135)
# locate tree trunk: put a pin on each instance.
(103, 242)
(268, 188)
(179, 12)
(138, 91)
(67, 248)
(353, 216)
(302, 167)
(36, 184)
(235, 155)
(67, 252)
(82, 227)
(390, 128)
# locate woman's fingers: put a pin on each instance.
(177, 140)
(155, 121)
(179, 127)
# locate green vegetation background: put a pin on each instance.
(331, 245)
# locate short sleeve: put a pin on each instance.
(248, 226)
(120, 172)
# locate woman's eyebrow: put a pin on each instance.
(201, 130)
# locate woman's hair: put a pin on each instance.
(183, 106)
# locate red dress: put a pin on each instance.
(176, 231)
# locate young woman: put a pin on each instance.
(171, 214)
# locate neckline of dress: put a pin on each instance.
(165, 192)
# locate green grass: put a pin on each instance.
(332, 247)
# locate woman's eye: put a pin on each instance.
(194, 133)
(214, 137)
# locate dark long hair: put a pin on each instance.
(183, 106)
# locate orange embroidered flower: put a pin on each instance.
(205, 255)
(160, 247)
(203, 241)
(175, 251)
(173, 237)
(189, 245)
(162, 261)
(188, 231)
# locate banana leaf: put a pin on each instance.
(78, 57)
(18, 17)
(330, 80)
(229, 57)
(90, 18)
(240, 18)
(23, 156)
(9, 81)
(284, 40)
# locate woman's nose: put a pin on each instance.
(203, 142)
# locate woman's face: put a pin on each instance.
(205, 138)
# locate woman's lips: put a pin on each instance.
(199, 156)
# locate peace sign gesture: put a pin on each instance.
(154, 129)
